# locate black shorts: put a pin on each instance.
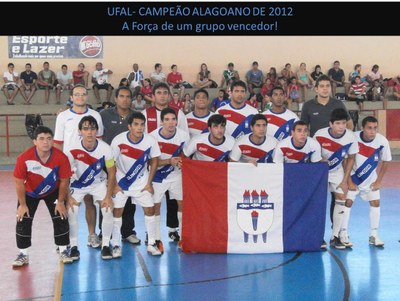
(103, 86)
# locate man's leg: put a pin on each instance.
(172, 214)
(90, 215)
(128, 223)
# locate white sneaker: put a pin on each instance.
(116, 252)
(344, 238)
(21, 260)
(132, 239)
(374, 240)
(153, 250)
(65, 257)
(93, 241)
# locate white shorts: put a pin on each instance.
(98, 192)
(142, 198)
(334, 180)
(365, 194)
(174, 188)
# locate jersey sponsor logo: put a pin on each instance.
(135, 171)
(36, 167)
(152, 119)
(246, 151)
(203, 149)
(80, 156)
(364, 171)
(124, 151)
(326, 144)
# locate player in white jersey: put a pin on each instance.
(339, 147)
(298, 148)
(169, 175)
(197, 120)
(89, 157)
(280, 119)
(256, 147)
(237, 113)
(365, 180)
(67, 133)
(161, 94)
(133, 150)
(212, 146)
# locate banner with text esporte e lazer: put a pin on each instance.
(242, 208)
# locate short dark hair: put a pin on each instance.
(90, 119)
(201, 91)
(323, 77)
(277, 88)
(173, 65)
(135, 115)
(41, 129)
(157, 65)
(216, 119)
(77, 86)
(168, 111)
(238, 83)
(298, 123)
(230, 65)
(28, 64)
(10, 65)
(122, 88)
(158, 86)
(367, 119)
(339, 114)
(258, 117)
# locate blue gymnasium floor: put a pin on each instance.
(363, 273)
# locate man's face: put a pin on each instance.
(135, 67)
(370, 130)
(43, 142)
(79, 97)
(161, 96)
(28, 68)
(238, 94)
(300, 134)
(336, 66)
(46, 67)
(278, 98)
(201, 101)
(217, 131)
(136, 129)
(88, 132)
(338, 127)
(124, 100)
(259, 129)
(169, 122)
(324, 88)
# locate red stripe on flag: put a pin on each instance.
(393, 124)
(204, 209)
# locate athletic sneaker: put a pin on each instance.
(337, 244)
(153, 250)
(344, 238)
(74, 253)
(174, 236)
(116, 252)
(323, 245)
(65, 257)
(93, 241)
(106, 253)
(146, 240)
(160, 246)
(374, 240)
(21, 260)
(132, 239)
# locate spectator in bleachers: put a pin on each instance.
(377, 90)
(147, 91)
(46, 81)
(287, 72)
(304, 79)
(11, 81)
(337, 77)
(176, 103)
(282, 82)
(204, 78)
(358, 92)
(175, 80)
(139, 104)
(81, 76)
(28, 83)
(356, 72)
(64, 81)
(187, 103)
(267, 87)
(272, 75)
(219, 101)
(229, 74)
(157, 76)
(376, 75)
(396, 88)
(135, 79)
(316, 73)
(252, 100)
(293, 93)
(123, 82)
(100, 81)
(254, 78)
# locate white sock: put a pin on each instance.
(374, 217)
(107, 226)
(180, 219)
(337, 218)
(150, 224)
(24, 251)
(171, 229)
(345, 220)
(157, 222)
(73, 225)
(62, 248)
(116, 232)
(301, 106)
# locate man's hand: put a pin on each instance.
(61, 210)
(21, 211)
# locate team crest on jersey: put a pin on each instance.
(255, 215)
(98, 166)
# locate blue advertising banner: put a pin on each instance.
(55, 47)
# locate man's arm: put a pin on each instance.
(153, 168)
(62, 196)
(23, 208)
(377, 184)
